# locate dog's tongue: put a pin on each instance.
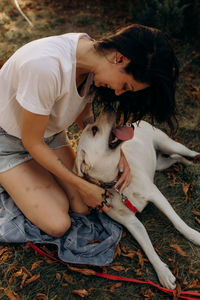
(124, 133)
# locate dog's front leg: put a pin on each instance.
(161, 202)
(136, 228)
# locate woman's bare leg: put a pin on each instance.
(39, 195)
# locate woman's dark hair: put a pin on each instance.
(152, 61)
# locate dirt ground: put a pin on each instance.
(49, 280)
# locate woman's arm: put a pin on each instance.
(32, 129)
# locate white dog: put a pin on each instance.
(150, 149)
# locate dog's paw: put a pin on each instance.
(166, 278)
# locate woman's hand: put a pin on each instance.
(125, 174)
(93, 197)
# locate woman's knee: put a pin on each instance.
(77, 206)
(59, 226)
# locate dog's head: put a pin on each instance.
(98, 151)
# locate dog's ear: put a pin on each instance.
(82, 164)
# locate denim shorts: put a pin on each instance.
(13, 153)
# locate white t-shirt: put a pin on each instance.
(41, 77)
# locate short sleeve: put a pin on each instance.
(38, 86)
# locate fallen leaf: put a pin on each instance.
(114, 286)
(178, 249)
(49, 261)
(40, 296)
(54, 298)
(117, 268)
(147, 293)
(194, 284)
(36, 264)
(82, 271)
(2, 250)
(64, 284)
(130, 254)
(25, 275)
(104, 270)
(58, 276)
(18, 273)
(197, 219)
(197, 213)
(82, 293)
(117, 251)
(68, 278)
(123, 249)
(186, 188)
(6, 255)
(32, 279)
(140, 257)
(27, 271)
(11, 295)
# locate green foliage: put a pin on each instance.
(167, 15)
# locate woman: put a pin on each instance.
(44, 88)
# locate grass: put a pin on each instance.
(50, 280)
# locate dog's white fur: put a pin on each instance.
(144, 155)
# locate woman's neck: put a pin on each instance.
(86, 58)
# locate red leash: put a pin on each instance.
(182, 294)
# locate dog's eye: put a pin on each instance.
(94, 130)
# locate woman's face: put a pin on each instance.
(114, 76)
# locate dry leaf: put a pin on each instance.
(64, 284)
(54, 298)
(32, 279)
(68, 278)
(197, 219)
(11, 295)
(197, 213)
(117, 251)
(123, 247)
(147, 293)
(104, 270)
(82, 271)
(178, 250)
(114, 286)
(140, 257)
(25, 275)
(27, 271)
(3, 250)
(130, 254)
(49, 261)
(194, 284)
(174, 178)
(186, 188)
(58, 276)
(6, 255)
(117, 268)
(82, 293)
(36, 264)
(40, 296)
(18, 273)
